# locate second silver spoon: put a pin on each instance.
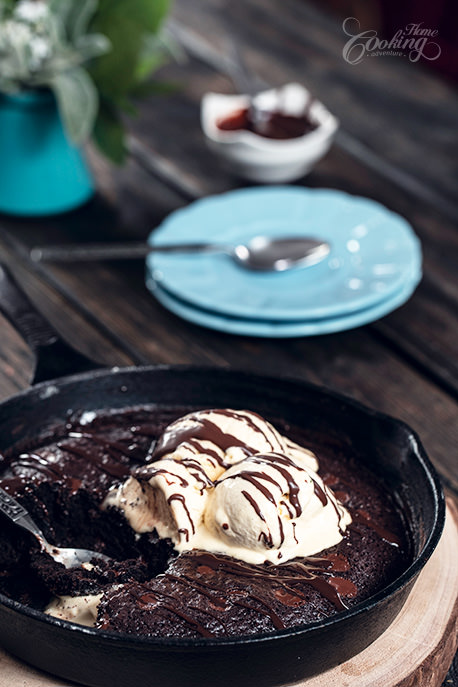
(261, 253)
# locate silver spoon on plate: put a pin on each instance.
(261, 253)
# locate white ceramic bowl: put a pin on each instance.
(262, 159)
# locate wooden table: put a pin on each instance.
(397, 144)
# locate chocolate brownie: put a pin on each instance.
(149, 589)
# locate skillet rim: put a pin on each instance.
(185, 644)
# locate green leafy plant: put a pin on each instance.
(96, 56)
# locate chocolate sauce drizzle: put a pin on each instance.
(286, 584)
(295, 572)
(283, 465)
(204, 429)
(152, 470)
(80, 457)
(361, 516)
(181, 498)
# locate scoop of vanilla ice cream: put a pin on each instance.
(272, 508)
(227, 481)
(235, 433)
(169, 495)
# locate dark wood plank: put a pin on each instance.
(15, 362)
(73, 324)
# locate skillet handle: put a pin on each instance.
(54, 357)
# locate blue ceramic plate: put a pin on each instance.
(275, 329)
(373, 253)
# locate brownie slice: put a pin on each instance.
(61, 480)
(206, 595)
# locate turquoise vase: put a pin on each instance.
(41, 172)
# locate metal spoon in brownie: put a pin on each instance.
(70, 558)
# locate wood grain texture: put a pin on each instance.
(374, 100)
(72, 324)
(414, 651)
(15, 361)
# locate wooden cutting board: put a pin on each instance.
(415, 651)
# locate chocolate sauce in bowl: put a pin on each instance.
(276, 124)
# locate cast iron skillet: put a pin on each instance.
(99, 658)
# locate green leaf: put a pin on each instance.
(127, 24)
(61, 10)
(78, 102)
(151, 57)
(7, 5)
(82, 13)
(114, 73)
(92, 45)
(146, 14)
(109, 134)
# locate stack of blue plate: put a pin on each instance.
(373, 267)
